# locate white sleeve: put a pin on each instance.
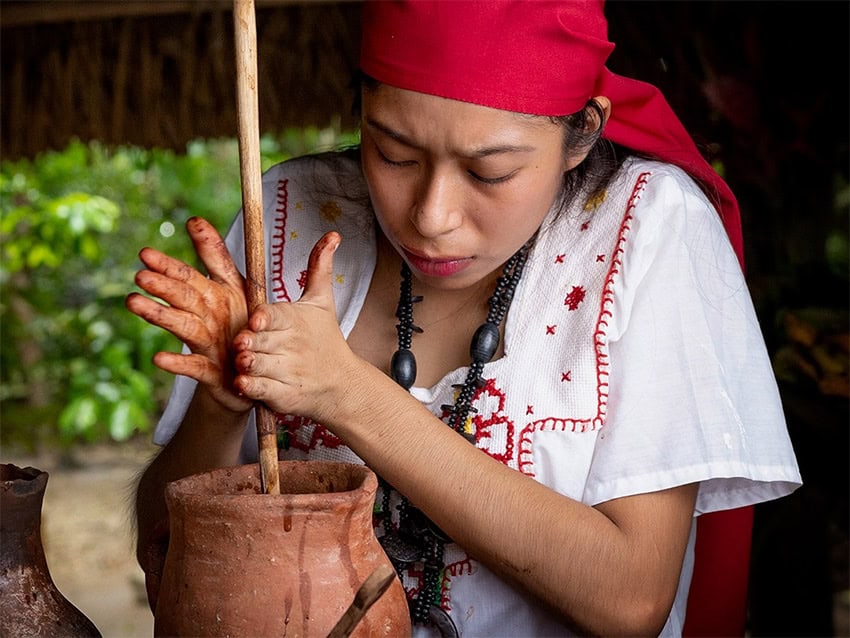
(693, 395)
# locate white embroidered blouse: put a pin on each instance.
(633, 360)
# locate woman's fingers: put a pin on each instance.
(196, 366)
(273, 366)
(288, 354)
(172, 268)
(213, 252)
(175, 293)
(318, 288)
(184, 325)
(204, 371)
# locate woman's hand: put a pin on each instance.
(203, 312)
(293, 356)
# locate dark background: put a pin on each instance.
(763, 87)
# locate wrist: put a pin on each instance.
(224, 413)
(364, 393)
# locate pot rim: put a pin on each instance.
(191, 490)
(22, 480)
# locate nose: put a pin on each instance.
(438, 208)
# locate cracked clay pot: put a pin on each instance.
(243, 563)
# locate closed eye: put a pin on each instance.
(491, 181)
(387, 160)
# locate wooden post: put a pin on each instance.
(250, 168)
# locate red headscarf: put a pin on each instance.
(539, 57)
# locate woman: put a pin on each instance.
(519, 250)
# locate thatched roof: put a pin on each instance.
(162, 73)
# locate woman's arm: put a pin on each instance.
(609, 570)
(612, 569)
(204, 312)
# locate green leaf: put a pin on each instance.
(79, 417)
(121, 421)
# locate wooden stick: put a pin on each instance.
(250, 168)
(368, 594)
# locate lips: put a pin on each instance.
(436, 267)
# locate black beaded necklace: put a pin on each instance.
(418, 539)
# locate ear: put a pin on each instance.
(605, 103)
(573, 161)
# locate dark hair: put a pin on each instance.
(583, 133)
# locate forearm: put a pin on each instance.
(601, 572)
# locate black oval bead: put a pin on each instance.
(443, 622)
(399, 550)
(403, 368)
(485, 342)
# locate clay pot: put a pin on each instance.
(244, 563)
(30, 603)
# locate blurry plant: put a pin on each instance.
(814, 353)
(74, 363)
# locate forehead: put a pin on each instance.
(420, 116)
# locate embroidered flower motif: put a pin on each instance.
(330, 211)
(595, 201)
(575, 297)
(298, 206)
(493, 429)
(293, 234)
(550, 330)
(340, 279)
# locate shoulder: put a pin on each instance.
(330, 171)
(664, 187)
(668, 211)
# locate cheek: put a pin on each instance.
(384, 193)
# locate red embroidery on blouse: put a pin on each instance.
(525, 458)
(491, 420)
(413, 580)
(565, 376)
(278, 241)
(550, 330)
(575, 297)
(305, 434)
(451, 571)
(302, 279)
(559, 259)
(529, 409)
(600, 258)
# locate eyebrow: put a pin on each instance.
(477, 153)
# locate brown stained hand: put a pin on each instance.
(293, 356)
(204, 312)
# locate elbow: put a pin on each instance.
(646, 616)
(642, 614)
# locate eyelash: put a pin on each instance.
(488, 181)
(387, 160)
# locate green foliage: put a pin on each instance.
(71, 228)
